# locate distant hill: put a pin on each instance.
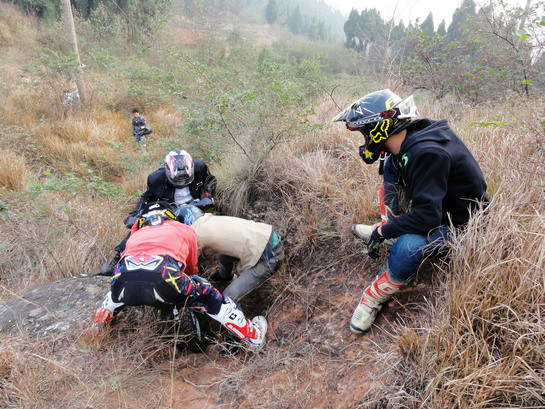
(312, 12)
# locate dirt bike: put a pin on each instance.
(193, 325)
(187, 328)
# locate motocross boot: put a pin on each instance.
(378, 291)
(363, 231)
(107, 311)
(252, 333)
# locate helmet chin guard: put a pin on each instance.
(179, 168)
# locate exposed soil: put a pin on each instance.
(313, 358)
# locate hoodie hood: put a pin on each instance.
(421, 130)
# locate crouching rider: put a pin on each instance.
(436, 172)
(158, 268)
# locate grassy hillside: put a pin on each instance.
(469, 330)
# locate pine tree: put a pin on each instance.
(351, 29)
(428, 26)
(441, 30)
(295, 21)
(460, 16)
(271, 11)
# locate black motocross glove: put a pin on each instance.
(206, 202)
(373, 244)
(362, 152)
(131, 218)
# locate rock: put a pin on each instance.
(50, 309)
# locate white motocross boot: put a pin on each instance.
(107, 311)
(380, 290)
(363, 231)
(252, 333)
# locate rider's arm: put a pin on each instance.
(192, 257)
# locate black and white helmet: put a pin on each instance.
(179, 168)
(155, 214)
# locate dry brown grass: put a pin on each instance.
(477, 342)
(480, 343)
(13, 171)
(55, 237)
(133, 368)
(18, 36)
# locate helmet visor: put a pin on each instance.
(154, 219)
(179, 172)
(407, 108)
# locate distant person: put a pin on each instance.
(179, 181)
(158, 268)
(139, 127)
(436, 172)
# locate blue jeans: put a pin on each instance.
(410, 249)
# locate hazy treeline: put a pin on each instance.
(485, 52)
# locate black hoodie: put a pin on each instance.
(440, 176)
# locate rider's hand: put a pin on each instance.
(130, 220)
(373, 243)
(362, 150)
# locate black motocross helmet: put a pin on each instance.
(155, 214)
(378, 116)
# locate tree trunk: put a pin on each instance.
(71, 32)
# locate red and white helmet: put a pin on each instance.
(179, 168)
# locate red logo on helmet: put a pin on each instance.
(387, 114)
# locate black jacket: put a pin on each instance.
(159, 188)
(440, 177)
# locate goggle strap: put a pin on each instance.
(381, 164)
